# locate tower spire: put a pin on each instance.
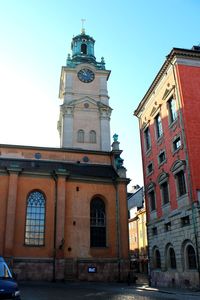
(83, 29)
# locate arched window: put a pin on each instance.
(191, 257)
(97, 223)
(80, 136)
(157, 259)
(35, 219)
(172, 258)
(83, 48)
(92, 136)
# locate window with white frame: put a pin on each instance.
(164, 189)
(80, 136)
(181, 187)
(149, 168)
(152, 200)
(147, 138)
(97, 223)
(164, 192)
(158, 125)
(161, 157)
(172, 110)
(92, 136)
(176, 143)
(35, 219)
(178, 169)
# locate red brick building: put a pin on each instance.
(63, 211)
(169, 128)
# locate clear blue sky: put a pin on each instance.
(133, 36)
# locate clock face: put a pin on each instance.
(86, 75)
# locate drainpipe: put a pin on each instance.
(189, 174)
(55, 222)
(118, 231)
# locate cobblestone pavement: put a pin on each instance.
(99, 291)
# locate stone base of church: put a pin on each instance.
(105, 270)
(187, 279)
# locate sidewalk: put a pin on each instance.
(143, 284)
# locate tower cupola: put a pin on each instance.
(82, 47)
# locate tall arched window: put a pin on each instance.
(80, 136)
(157, 259)
(83, 48)
(172, 258)
(191, 257)
(35, 219)
(92, 136)
(97, 223)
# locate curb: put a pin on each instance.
(175, 292)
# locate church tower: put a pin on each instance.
(84, 121)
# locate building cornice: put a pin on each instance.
(171, 58)
(54, 149)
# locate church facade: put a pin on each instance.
(64, 210)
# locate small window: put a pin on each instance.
(176, 144)
(149, 168)
(161, 158)
(185, 221)
(80, 136)
(158, 124)
(83, 48)
(167, 226)
(147, 139)
(172, 110)
(152, 200)
(164, 192)
(181, 187)
(92, 136)
(154, 231)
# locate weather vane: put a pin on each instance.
(83, 29)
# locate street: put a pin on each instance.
(98, 291)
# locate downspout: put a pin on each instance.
(118, 243)
(55, 222)
(189, 174)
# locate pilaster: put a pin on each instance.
(11, 211)
(60, 212)
(105, 113)
(67, 126)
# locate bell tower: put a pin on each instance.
(85, 112)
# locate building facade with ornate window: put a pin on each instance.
(64, 210)
(168, 119)
(138, 248)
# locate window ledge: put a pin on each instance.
(182, 196)
(33, 246)
(160, 139)
(147, 153)
(150, 173)
(98, 247)
(173, 125)
(166, 204)
(162, 163)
